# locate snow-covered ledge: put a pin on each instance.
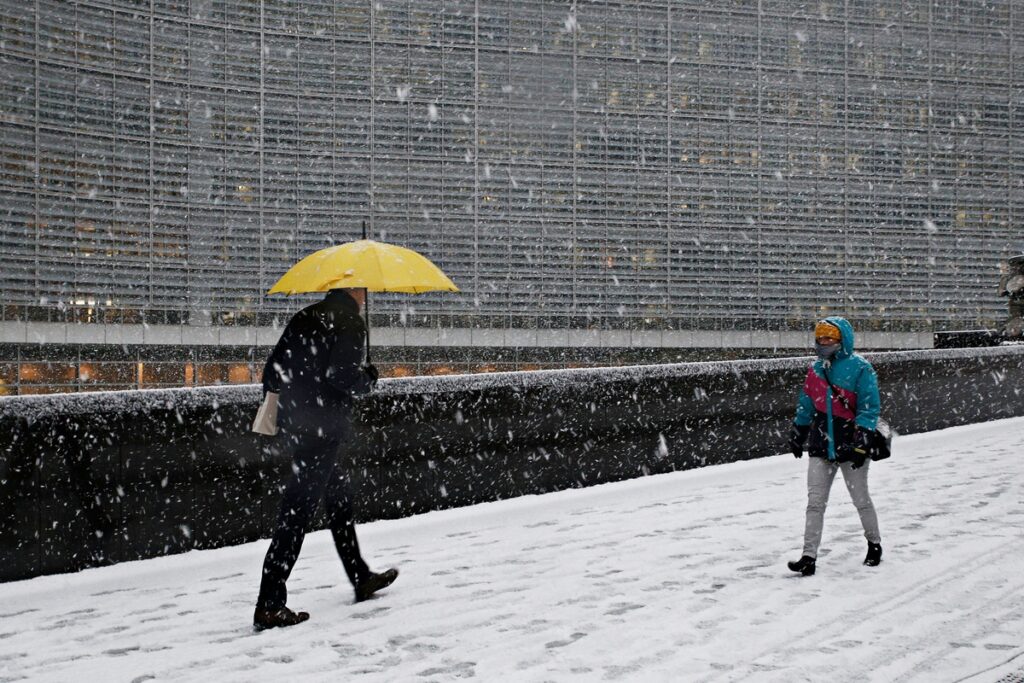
(32, 406)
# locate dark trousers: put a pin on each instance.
(316, 474)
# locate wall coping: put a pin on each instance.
(38, 406)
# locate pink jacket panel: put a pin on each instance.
(816, 387)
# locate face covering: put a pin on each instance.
(826, 352)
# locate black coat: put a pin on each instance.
(842, 429)
(317, 367)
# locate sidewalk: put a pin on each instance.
(674, 577)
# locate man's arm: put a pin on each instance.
(274, 374)
(345, 372)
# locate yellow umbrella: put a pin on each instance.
(375, 266)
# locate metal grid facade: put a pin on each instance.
(680, 164)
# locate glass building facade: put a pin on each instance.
(571, 165)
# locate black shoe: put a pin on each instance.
(805, 565)
(375, 583)
(272, 618)
(874, 555)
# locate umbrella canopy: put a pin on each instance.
(375, 266)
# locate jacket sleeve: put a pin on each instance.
(868, 401)
(804, 406)
(345, 372)
(272, 371)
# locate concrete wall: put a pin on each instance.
(92, 479)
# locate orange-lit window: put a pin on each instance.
(48, 373)
(162, 374)
(240, 373)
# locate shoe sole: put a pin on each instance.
(267, 627)
(260, 627)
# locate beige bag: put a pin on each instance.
(266, 416)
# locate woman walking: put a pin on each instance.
(836, 414)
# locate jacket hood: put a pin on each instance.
(846, 343)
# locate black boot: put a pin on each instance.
(375, 583)
(874, 556)
(805, 565)
(272, 618)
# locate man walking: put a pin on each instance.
(317, 368)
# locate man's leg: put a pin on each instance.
(857, 484)
(340, 519)
(338, 506)
(311, 466)
(820, 473)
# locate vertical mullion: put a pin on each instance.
(37, 175)
(373, 110)
(262, 161)
(150, 193)
(668, 307)
(476, 147)
(1010, 121)
(575, 115)
(759, 75)
(637, 225)
(846, 130)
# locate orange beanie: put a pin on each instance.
(826, 329)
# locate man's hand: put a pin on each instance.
(797, 437)
(372, 373)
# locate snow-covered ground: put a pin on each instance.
(677, 577)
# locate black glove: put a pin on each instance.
(797, 437)
(860, 448)
(371, 372)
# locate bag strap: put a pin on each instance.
(836, 391)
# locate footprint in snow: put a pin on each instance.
(109, 592)
(370, 614)
(714, 587)
(456, 670)
(622, 608)
(562, 643)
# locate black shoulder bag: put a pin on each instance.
(881, 437)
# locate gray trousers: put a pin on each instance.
(820, 474)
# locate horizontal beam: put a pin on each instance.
(17, 332)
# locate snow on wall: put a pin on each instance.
(36, 406)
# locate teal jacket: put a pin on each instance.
(856, 380)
